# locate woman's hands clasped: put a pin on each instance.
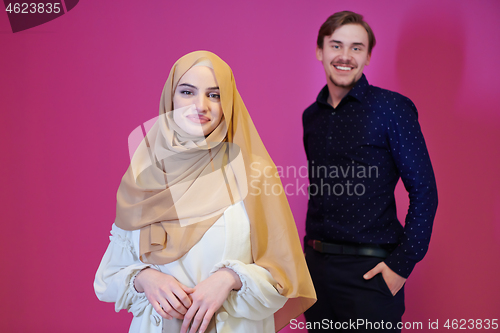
(208, 297)
(168, 296)
(195, 306)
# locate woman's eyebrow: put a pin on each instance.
(213, 88)
(187, 85)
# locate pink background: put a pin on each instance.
(73, 89)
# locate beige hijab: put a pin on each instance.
(178, 185)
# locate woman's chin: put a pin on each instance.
(198, 132)
(190, 128)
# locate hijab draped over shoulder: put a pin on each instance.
(178, 185)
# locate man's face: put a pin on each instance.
(344, 55)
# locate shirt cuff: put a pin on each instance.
(399, 263)
(131, 285)
(235, 266)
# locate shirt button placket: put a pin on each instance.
(333, 114)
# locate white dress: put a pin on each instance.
(225, 244)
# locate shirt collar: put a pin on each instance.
(358, 91)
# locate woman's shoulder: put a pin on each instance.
(122, 236)
(117, 231)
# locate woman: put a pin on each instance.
(197, 243)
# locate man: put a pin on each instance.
(359, 139)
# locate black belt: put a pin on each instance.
(361, 250)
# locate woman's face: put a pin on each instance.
(199, 88)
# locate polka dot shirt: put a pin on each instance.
(356, 154)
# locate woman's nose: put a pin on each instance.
(201, 103)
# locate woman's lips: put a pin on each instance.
(198, 118)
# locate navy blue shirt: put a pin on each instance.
(356, 154)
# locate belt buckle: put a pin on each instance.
(318, 246)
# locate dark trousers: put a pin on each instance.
(346, 301)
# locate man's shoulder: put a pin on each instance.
(316, 105)
(312, 107)
(387, 96)
(380, 98)
(310, 110)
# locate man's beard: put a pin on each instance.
(347, 86)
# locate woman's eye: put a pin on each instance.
(214, 95)
(186, 92)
